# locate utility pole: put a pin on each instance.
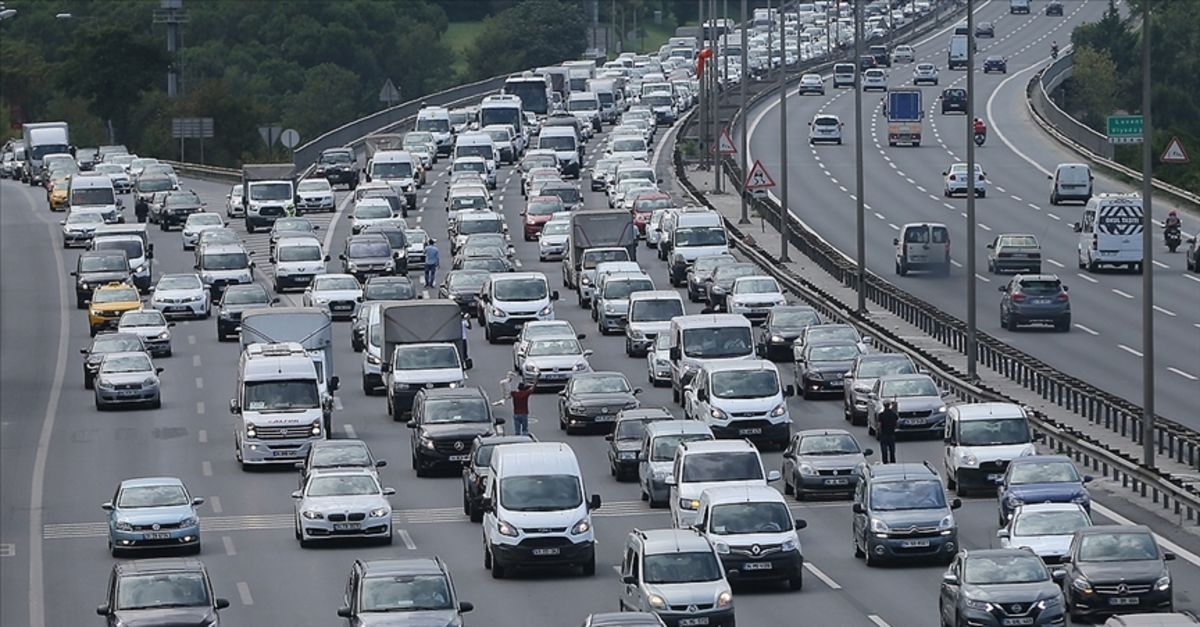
(702, 127)
(715, 102)
(171, 13)
(1147, 246)
(784, 228)
(859, 186)
(972, 337)
(745, 76)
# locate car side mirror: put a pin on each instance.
(102, 609)
(234, 408)
(1088, 478)
(197, 502)
(629, 580)
(1058, 575)
(83, 351)
(465, 606)
(956, 503)
(773, 476)
(298, 466)
(486, 504)
(1066, 559)
(389, 491)
(74, 273)
(1168, 556)
(108, 507)
(800, 524)
(670, 480)
(608, 437)
(950, 579)
(297, 494)
(158, 370)
(1076, 227)
(334, 383)
(1001, 289)
(588, 353)
(895, 241)
(1002, 534)
(857, 508)
(344, 612)
(221, 604)
(412, 424)
(594, 503)
(554, 295)
(342, 257)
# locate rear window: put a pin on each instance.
(1041, 287)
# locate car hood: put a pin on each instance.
(336, 294)
(146, 332)
(831, 366)
(602, 400)
(314, 194)
(457, 431)
(1133, 570)
(627, 444)
(555, 361)
(166, 617)
(831, 462)
(693, 489)
(117, 378)
(655, 326)
(1046, 492)
(1012, 592)
(1043, 545)
(700, 593)
(554, 239)
(151, 515)
(103, 277)
(197, 293)
(903, 519)
(692, 253)
(787, 333)
(918, 403)
(428, 375)
(241, 308)
(739, 405)
(427, 618)
(340, 503)
(1001, 452)
(382, 259)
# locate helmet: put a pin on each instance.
(1172, 213)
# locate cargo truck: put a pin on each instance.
(423, 347)
(310, 327)
(280, 405)
(269, 193)
(41, 139)
(597, 228)
(904, 113)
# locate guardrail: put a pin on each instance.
(1078, 136)
(205, 171)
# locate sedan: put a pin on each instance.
(1116, 568)
(782, 327)
(554, 361)
(1014, 581)
(462, 286)
(594, 400)
(103, 344)
(540, 330)
(658, 361)
(1042, 479)
(552, 241)
(369, 211)
(196, 224)
(995, 64)
(925, 73)
(861, 378)
(327, 454)
(811, 84)
(1014, 253)
(985, 29)
(128, 378)
(821, 462)
(152, 326)
(79, 227)
(315, 195)
(874, 78)
(152, 513)
(1054, 7)
(822, 333)
(181, 295)
(821, 369)
(919, 403)
(956, 180)
(903, 54)
(235, 300)
(754, 297)
(336, 293)
(340, 503)
(1044, 528)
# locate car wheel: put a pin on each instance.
(796, 583)
(959, 488)
(871, 562)
(1063, 325)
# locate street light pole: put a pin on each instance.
(1147, 246)
(859, 185)
(972, 339)
(702, 127)
(784, 230)
(715, 101)
(745, 76)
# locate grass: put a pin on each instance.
(656, 36)
(459, 36)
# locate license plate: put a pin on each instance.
(345, 526)
(544, 552)
(1124, 601)
(1041, 301)
(127, 393)
(283, 453)
(605, 418)
(699, 620)
(908, 422)
(459, 458)
(156, 535)
(914, 544)
(837, 482)
(760, 311)
(341, 307)
(177, 309)
(755, 431)
(835, 384)
(757, 566)
(994, 476)
(1027, 620)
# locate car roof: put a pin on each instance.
(741, 364)
(1036, 277)
(808, 432)
(624, 619)
(150, 481)
(677, 427)
(1098, 529)
(656, 541)
(1049, 507)
(469, 391)
(1041, 459)
(904, 471)
(414, 566)
(742, 494)
(983, 411)
(718, 446)
(343, 471)
(708, 320)
(158, 565)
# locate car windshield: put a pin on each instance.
(621, 289)
(456, 410)
(665, 446)
(909, 387)
(1117, 547)
(329, 455)
(92, 196)
(109, 168)
(204, 219)
(224, 261)
(993, 432)
(331, 283)
(876, 367)
(85, 217)
(470, 166)
(420, 137)
(103, 263)
(658, 310)
(299, 253)
(389, 290)
(756, 286)
(498, 135)
(156, 184)
(1021, 241)
(1004, 569)
(544, 207)
(314, 186)
(722, 466)
(569, 195)
(126, 363)
(706, 264)
(377, 248)
(121, 295)
(833, 352)
(424, 357)
(717, 342)
(902, 495)
(150, 318)
(466, 281)
(566, 346)
(372, 211)
(486, 225)
(547, 329)
(238, 295)
(270, 191)
(828, 444)
(269, 396)
(674, 568)
(636, 144)
(416, 237)
(826, 121)
(1059, 523)
(702, 236)
(436, 125)
(561, 143)
(118, 344)
(483, 263)
(173, 589)
(540, 161)
(728, 274)
(657, 100)
(556, 228)
(593, 258)
(475, 150)
(831, 333)
(744, 384)
(392, 169)
(350, 485)
(219, 235)
(152, 496)
(1043, 472)
(131, 247)
(335, 158)
(645, 204)
(582, 104)
(743, 518)
(600, 384)
(540, 493)
(405, 593)
(632, 429)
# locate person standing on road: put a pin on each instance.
(466, 328)
(431, 261)
(520, 400)
(886, 429)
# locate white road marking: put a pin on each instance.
(196, 361)
(1086, 277)
(894, 227)
(243, 589)
(1033, 206)
(1191, 278)
(191, 339)
(214, 503)
(955, 263)
(819, 574)
(983, 278)
(874, 618)
(349, 429)
(1161, 264)
(199, 383)
(985, 227)
(1122, 294)
(406, 539)
(202, 436)
(199, 408)
(1129, 350)
(1055, 263)
(1053, 216)
(206, 468)
(228, 543)
(1085, 329)
(1164, 311)
(1183, 374)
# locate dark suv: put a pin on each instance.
(1054, 7)
(954, 99)
(235, 300)
(1033, 298)
(368, 256)
(420, 588)
(338, 167)
(96, 268)
(882, 58)
(445, 422)
(176, 208)
(901, 513)
(1116, 569)
(476, 470)
(996, 587)
(160, 592)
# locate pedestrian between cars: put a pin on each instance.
(888, 419)
(466, 336)
(431, 262)
(519, 394)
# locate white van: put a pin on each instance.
(741, 522)
(565, 144)
(699, 340)
(508, 300)
(1071, 181)
(534, 511)
(95, 193)
(981, 439)
(694, 234)
(139, 254)
(478, 144)
(1110, 233)
(398, 169)
(704, 464)
(436, 120)
(650, 315)
(956, 55)
(741, 399)
(296, 260)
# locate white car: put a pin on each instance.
(196, 224)
(539, 330)
(629, 147)
(903, 54)
(336, 293)
(369, 211)
(233, 203)
(552, 241)
(754, 297)
(181, 295)
(152, 326)
(554, 361)
(352, 493)
(811, 84)
(315, 195)
(658, 361)
(1045, 528)
(79, 227)
(874, 78)
(926, 73)
(825, 128)
(117, 174)
(956, 180)
(625, 191)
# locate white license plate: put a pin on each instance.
(837, 482)
(177, 309)
(127, 393)
(757, 566)
(699, 620)
(908, 422)
(994, 476)
(754, 431)
(283, 453)
(1041, 301)
(345, 526)
(1124, 601)
(544, 552)
(156, 535)
(605, 418)
(459, 458)
(914, 544)
(1027, 620)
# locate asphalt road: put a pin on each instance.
(248, 543)
(904, 184)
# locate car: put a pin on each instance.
(626, 439)
(175, 208)
(388, 288)
(985, 29)
(554, 361)
(181, 295)
(955, 181)
(925, 73)
(861, 376)
(625, 147)
(295, 260)
(152, 513)
(743, 521)
(314, 195)
(127, 378)
(1110, 562)
(623, 619)
(369, 211)
(325, 454)
(462, 286)
(658, 364)
(903, 54)
(538, 330)
(699, 270)
(754, 296)
(223, 235)
(340, 503)
(197, 223)
(1035, 298)
(336, 293)
(1042, 479)
(1193, 254)
(900, 513)
(721, 281)
(476, 470)
(703, 464)
(644, 206)
(811, 84)
(610, 305)
(366, 256)
(238, 299)
(445, 421)
(781, 328)
(919, 403)
(1014, 252)
(94, 269)
(415, 591)
(994, 63)
(103, 344)
(821, 368)
(155, 591)
(953, 99)
(338, 167)
(827, 332)
(291, 226)
(874, 78)
(593, 400)
(1044, 528)
(825, 127)
(981, 439)
(1000, 587)
(673, 573)
(821, 462)
(538, 211)
(1054, 7)
(109, 302)
(153, 328)
(79, 227)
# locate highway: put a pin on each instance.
(248, 543)
(904, 184)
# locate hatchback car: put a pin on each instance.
(1000, 587)
(152, 513)
(822, 462)
(197, 223)
(903, 54)
(754, 297)
(925, 73)
(336, 293)
(995, 64)
(861, 376)
(109, 302)
(594, 399)
(153, 328)
(919, 403)
(811, 84)
(102, 344)
(1044, 528)
(955, 180)
(128, 378)
(369, 211)
(181, 295)
(415, 591)
(315, 195)
(1054, 7)
(821, 368)
(554, 361)
(954, 99)
(782, 326)
(985, 29)
(235, 300)
(1035, 298)
(1011, 252)
(874, 78)
(825, 127)
(151, 592)
(1042, 479)
(327, 454)
(341, 503)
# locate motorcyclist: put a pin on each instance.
(1172, 222)
(980, 127)
(1054, 49)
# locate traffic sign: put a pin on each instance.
(389, 93)
(758, 178)
(1124, 129)
(725, 143)
(289, 138)
(1174, 152)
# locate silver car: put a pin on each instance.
(181, 295)
(152, 326)
(552, 241)
(861, 378)
(610, 307)
(540, 330)
(554, 361)
(79, 227)
(1045, 528)
(196, 224)
(822, 462)
(233, 203)
(341, 503)
(820, 333)
(128, 378)
(925, 73)
(658, 361)
(315, 195)
(336, 293)
(919, 403)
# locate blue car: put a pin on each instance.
(1042, 479)
(153, 513)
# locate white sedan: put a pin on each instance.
(181, 295)
(315, 195)
(755, 296)
(233, 202)
(903, 54)
(956, 180)
(196, 224)
(336, 293)
(811, 84)
(925, 73)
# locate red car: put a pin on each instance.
(645, 204)
(537, 213)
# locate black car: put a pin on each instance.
(1054, 7)
(462, 286)
(445, 422)
(337, 454)
(784, 324)
(594, 399)
(102, 344)
(476, 470)
(1116, 569)
(623, 619)
(881, 56)
(96, 268)
(1000, 587)
(866, 62)
(699, 271)
(626, 440)
(954, 99)
(235, 300)
(721, 281)
(397, 240)
(985, 29)
(338, 167)
(161, 592)
(367, 256)
(176, 208)
(995, 64)
(415, 591)
(821, 368)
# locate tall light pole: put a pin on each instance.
(859, 186)
(702, 127)
(715, 101)
(972, 339)
(1148, 247)
(171, 13)
(784, 230)
(745, 76)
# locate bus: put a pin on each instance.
(532, 89)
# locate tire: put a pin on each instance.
(475, 513)
(1063, 326)
(397, 413)
(959, 488)
(787, 487)
(487, 559)
(871, 562)
(796, 583)
(901, 268)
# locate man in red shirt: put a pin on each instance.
(520, 400)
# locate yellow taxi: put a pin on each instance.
(57, 190)
(109, 302)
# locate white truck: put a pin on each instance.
(41, 139)
(309, 327)
(423, 347)
(269, 193)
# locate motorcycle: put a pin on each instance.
(980, 138)
(1173, 238)
(1054, 53)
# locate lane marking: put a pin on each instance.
(200, 408)
(195, 361)
(1183, 374)
(214, 503)
(819, 574)
(1122, 294)
(406, 539)
(1055, 263)
(243, 589)
(199, 383)
(983, 278)
(1164, 311)
(1085, 329)
(1129, 350)
(1161, 264)
(202, 436)
(877, 620)
(350, 431)
(227, 542)
(1086, 277)
(206, 468)
(955, 263)
(191, 339)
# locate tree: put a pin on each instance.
(1094, 93)
(530, 34)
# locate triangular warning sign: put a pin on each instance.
(758, 177)
(1174, 152)
(725, 144)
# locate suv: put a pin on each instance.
(981, 439)
(445, 422)
(754, 533)
(148, 590)
(676, 574)
(1116, 568)
(1001, 587)
(419, 587)
(97, 268)
(709, 464)
(900, 512)
(107, 304)
(1035, 298)
(367, 256)
(657, 455)
(476, 470)
(338, 167)
(954, 99)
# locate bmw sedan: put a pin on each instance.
(152, 513)
(343, 503)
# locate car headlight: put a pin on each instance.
(611, 308)
(661, 474)
(123, 526)
(401, 386)
(1163, 584)
(940, 410)
(581, 527)
(1053, 601)
(190, 521)
(251, 431)
(150, 382)
(313, 515)
(585, 280)
(379, 512)
(1081, 499)
(689, 504)
(546, 311)
(777, 338)
(575, 407)
(946, 524)
(717, 289)
(967, 458)
(725, 599)
(779, 410)
(657, 602)
(636, 334)
(878, 526)
(163, 336)
(718, 414)
(141, 268)
(627, 455)
(104, 385)
(1082, 585)
(814, 375)
(862, 388)
(498, 313)
(426, 443)
(315, 427)
(806, 468)
(351, 266)
(975, 604)
(721, 548)
(506, 529)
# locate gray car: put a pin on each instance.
(401, 592)
(822, 367)
(128, 378)
(610, 306)
(343, 503)
(720, 282)
(819, 333)
(997, 587)
(594, 399)
(919, 403)
(103, 344)
(554, 361)
(1014, 253)
(238, 299)
(699, 273)
(861, 376)
(1034, 298)
(822, 462)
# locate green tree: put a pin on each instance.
(530, 34)
(328, 95)
(1093, 93)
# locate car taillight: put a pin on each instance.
(953, 177)
(1062, 296)
(1018, 297)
